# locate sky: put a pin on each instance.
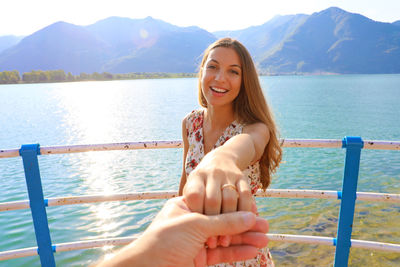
(24, 17)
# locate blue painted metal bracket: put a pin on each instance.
(353, 147)
(33, 182)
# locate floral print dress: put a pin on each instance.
(194, 131)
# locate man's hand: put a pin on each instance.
(177, 237)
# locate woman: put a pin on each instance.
(231, 146)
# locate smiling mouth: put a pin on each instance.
(218, 90)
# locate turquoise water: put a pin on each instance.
(326, 107)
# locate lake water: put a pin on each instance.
(323, 107)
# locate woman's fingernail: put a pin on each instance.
(226, 240)
(212, 242)
(248, 218)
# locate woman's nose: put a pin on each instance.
(220, 76)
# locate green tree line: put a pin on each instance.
(40, 76)
(9, 77)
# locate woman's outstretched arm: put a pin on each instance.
(185, 150)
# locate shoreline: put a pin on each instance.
(102, 77)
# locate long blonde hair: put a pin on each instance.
(250, 106)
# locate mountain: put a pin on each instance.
(329, 41)
(126, 35)
(150, 45)
(176, 51)
(261, 40)
(116, 45)
(58, 46)
(336, 41)
(8, 41)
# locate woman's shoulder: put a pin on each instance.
(193, 116)
(258, 128)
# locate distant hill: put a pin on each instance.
(8, 41)
(330, 41)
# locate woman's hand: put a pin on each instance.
(210, 187)
(217, 185)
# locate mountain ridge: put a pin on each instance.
(337, 41)
(329, 41)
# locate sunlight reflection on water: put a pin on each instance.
(120, 111)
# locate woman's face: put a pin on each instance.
(222, 77)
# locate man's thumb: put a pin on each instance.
(229, 223)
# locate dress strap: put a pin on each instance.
(194, 120)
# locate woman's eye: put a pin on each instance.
(211, 67)
(235, 72)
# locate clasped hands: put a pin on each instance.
(218, 186)
(176, 237)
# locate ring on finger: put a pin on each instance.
(230, 186)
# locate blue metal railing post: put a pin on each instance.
(36, 200)
(353, 147)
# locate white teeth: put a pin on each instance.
(219, 90)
